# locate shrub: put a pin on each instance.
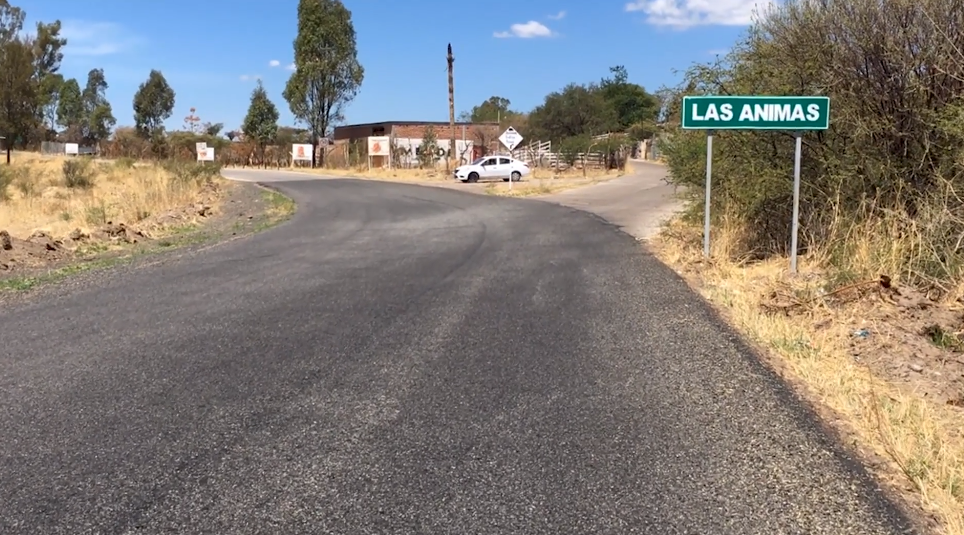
(77, 174)
(7, 177)
(196, 172)
(124, 162)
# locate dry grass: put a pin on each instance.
(440, 175)
(919, 439)
(541, 186)
(38, 197)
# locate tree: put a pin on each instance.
(47, 58)
(327, 73)
(153, 104)
(100, 123)
(98, 115)
(70, 109)
(11, 22)
(574, 111)
(494, 109)
(261, 122)
(287, 135)
(632, 105)
(18, 89)
(212, 129)
(49, 91)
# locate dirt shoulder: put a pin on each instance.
(882, 363)
(224, 210)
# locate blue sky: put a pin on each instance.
(212, 52)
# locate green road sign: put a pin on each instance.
(756, 113)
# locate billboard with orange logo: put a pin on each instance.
(301, 152)
(378, 146)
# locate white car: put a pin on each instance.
(492, 167)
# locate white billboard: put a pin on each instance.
(71, 148)
(301, 152)
(206, 155)
(379, 146)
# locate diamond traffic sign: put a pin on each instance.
(510, 138)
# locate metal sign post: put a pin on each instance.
(709, 185)
(798, 148)
(796, 114)
(510, 139)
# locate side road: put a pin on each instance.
(638, 202)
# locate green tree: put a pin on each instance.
(18, 90)
(287, 135)
(49, 91)
(213, 129)
(70, 107)
(153, 104)
(632, 105)
(574, 111)
(494, 109)
(11, 22)
(261, 123)
(98, 115)
(47, 58)
(327, 72)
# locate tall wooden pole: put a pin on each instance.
(452, 151)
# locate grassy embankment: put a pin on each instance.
(61, 215)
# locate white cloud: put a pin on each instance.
(291, 67)
(246, 77)
(86, 38)
(558, 16)
(274, 63)
(682, 14)
(718, 51)
(527, 30)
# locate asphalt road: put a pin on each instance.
(405, 359)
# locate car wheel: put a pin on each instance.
(473, 177)
(516, 176)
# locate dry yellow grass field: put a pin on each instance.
(856, 351)
(37, 196)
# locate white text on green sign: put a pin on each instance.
(756, 113)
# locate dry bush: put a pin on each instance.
(117, 192)
(891, 161)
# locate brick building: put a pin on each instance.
(484, 137)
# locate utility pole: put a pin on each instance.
(452, 151)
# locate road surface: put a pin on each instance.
(638, 203)
(406, 359)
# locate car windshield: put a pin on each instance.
(477, 161)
